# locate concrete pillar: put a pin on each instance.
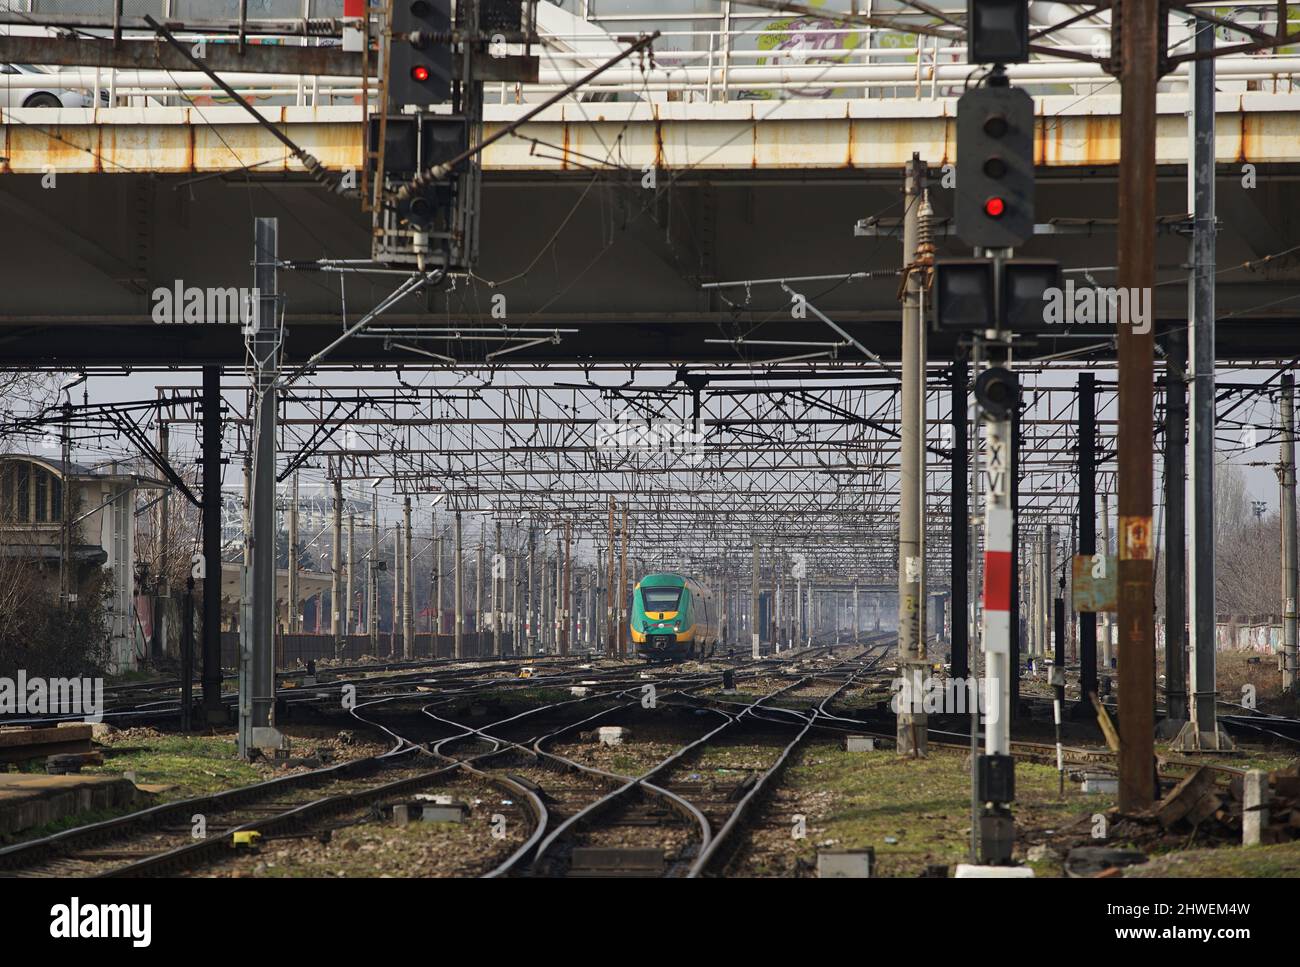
(1254, 815)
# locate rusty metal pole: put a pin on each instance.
(1139, 59)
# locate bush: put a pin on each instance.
(52, 641)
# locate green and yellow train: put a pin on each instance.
(673, 617)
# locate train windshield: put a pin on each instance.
(661, 599)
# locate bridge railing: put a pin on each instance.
(725, 54)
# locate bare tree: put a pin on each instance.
(1247, 549)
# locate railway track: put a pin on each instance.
(165, 839)
(663, 821)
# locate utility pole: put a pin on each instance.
(338, 609)
(557, 594)
(1107, 634)
(1175, 552)
(1087, 531)
(458, 560)
(498, 593)
(514, 605)
(531, 630)
(395, 621)
(163, 532)
(348, 625)
(601, 605)
(372, 604)
(257, 636)
(1139, 22)
(293, 623)
(798, 607)
(408, 586)
(959, 561)
(1202, 730)
(1286, 477)
(753, 607)
(213, 709)
(568, 588)
(478, 594)
(65, 541)
(911, 720)
(622, 589)
(611, 633)
(439, 595)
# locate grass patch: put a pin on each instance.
(194, 765)
(1277, 860)
(914, 811)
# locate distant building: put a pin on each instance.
(101, 513)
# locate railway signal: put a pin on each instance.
(997, 31)
(995, 165)
(976, 294)
(420, 59)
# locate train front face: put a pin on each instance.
(662, 625)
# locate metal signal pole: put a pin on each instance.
(996, 833)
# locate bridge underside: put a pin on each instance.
(608, 271)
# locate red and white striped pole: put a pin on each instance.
(354, 25)
(997, 596)
(994, 777)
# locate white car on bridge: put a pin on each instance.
(25, 85)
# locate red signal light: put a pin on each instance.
(420, 73)
(995, 207)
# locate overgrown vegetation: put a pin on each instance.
(48, 640)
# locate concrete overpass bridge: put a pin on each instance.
(605, 216)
